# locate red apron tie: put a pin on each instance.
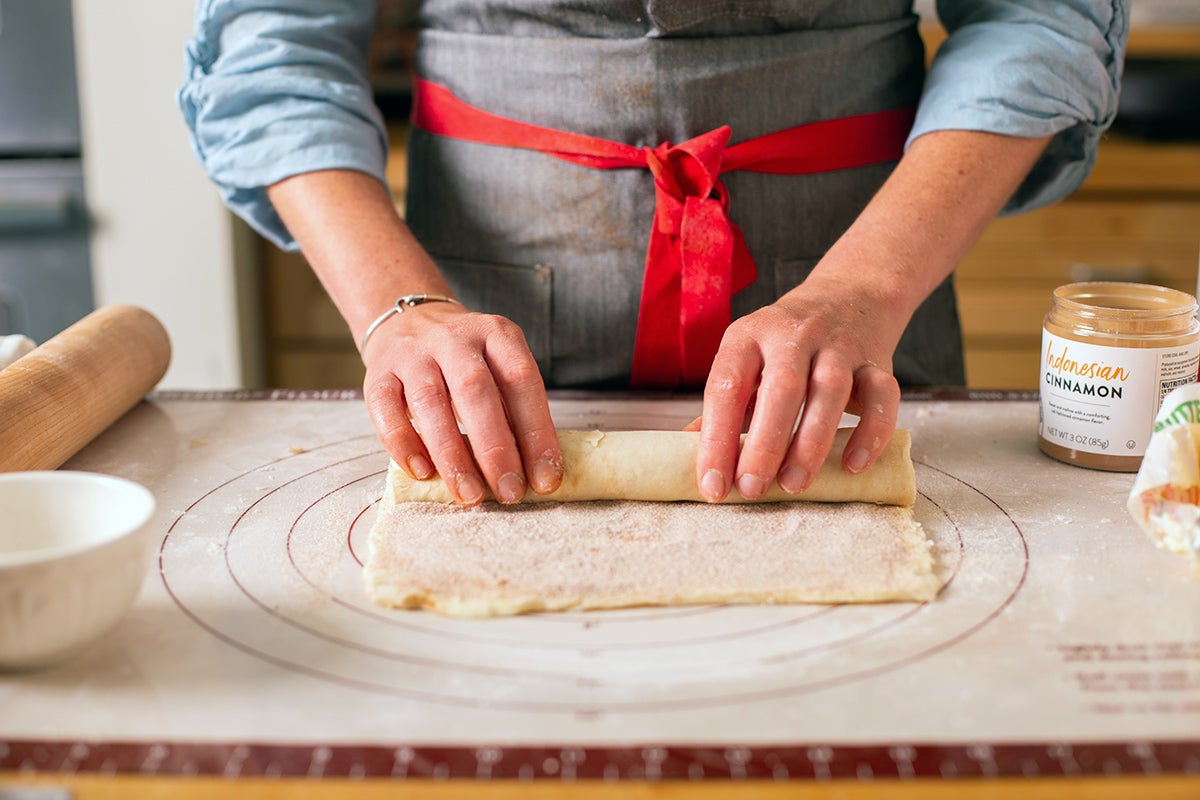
(697, 258)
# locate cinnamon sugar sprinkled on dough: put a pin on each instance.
(489, 560)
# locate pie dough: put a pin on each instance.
(493, 560)
(661, 466)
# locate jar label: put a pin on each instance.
(1099, 399)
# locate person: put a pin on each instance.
(765, 198)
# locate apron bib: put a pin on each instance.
(560, 248)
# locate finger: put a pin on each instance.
(477, 399)
(524, 396)
(384, 398)
(694, 425)
(728, 391)
(779, 400)
(877, 400)
(428, 399)
(751, 404)
(829, 390)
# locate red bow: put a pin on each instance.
(696, 262)
(697, 258)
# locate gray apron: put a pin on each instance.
(560, 248)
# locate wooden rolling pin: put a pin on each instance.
(58, 398)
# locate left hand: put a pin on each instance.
(823, 348)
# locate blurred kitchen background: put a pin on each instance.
(101, 200)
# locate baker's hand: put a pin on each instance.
(437, 364)
(822, 349)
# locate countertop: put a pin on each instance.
(1065, 645)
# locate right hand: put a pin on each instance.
(438, 364)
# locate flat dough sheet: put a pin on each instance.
(492, 561)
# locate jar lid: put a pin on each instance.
(1125, 309)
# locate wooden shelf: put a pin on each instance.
(1116, 228)
(1163, 41)
(1137, 167)
(1180, 41)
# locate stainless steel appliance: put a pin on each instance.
(45, 273)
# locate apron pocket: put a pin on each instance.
(522, 294)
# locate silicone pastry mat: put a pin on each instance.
(1064, 641)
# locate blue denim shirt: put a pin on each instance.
(275, 89)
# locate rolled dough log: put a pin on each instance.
(661, 466)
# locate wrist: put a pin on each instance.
(401, 305)
(880, 284)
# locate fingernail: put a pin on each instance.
(511, 488)
(793, 479)
(470, 489)
(545, 476)
(420, 467)
(856, 461)
(751, 487)
(712, 485)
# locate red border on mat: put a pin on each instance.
(647, 762)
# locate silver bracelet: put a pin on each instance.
(408, 301)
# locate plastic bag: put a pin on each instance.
(1165, 499)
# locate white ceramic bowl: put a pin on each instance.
(73, 554)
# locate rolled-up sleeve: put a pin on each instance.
(276, 88)
(1029, 68)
